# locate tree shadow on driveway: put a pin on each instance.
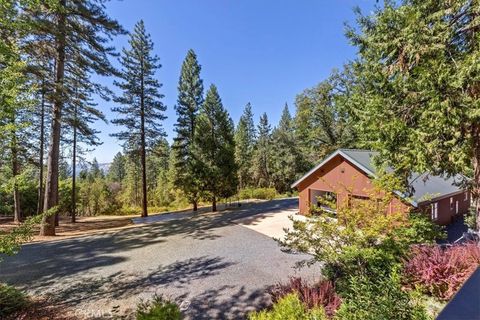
(202, 226)
(226, 302)
(122, 285)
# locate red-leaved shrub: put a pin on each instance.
(441, 271)
(319, 294)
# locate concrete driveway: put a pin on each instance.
(215, 265)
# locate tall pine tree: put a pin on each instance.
(190, 98)
(263, 151)
(117, 170)
(215, 150)
(142, 109)
(244, 146)
(80, 113)
(68, 28)
(286, 156)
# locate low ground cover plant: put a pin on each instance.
(289, 307)
(11, 301)
(439, 271)
(320, 294)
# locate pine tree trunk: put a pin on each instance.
(17, 216)
(42, 147)
(195, 205)
(51, 186)
(143, 148)
(476, 172)
(214, 204)
(74, 166)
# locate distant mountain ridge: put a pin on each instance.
(105, 167)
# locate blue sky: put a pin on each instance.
(259, 51)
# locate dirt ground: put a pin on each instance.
(92, 225)
(84, 225)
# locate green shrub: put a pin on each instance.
(378, 299)
(11, 301)
(258, 193)
(158, 309)
(289, 308)
(471, 219)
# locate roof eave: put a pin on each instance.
(327, 159)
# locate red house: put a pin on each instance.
(346, 175)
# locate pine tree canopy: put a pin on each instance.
(286, 156)
(418, 97)
(190, 98)
(244, 146)
(263, 153)
(215, 148)
(141, 97)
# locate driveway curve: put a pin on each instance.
(214, 266)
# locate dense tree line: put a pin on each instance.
(49, 55)
(414, 98)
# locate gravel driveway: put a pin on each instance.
(210, 264)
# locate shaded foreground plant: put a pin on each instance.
(321, 294)
(379, 298)
(289, 307)
(11, 300)
(158, 308)
(441, 271)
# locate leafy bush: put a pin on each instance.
(378, 299)
(258, 193)
(321, 294)
(11, 301)
(471, 219)
(11, 241)
(440, 272)
(360, 239)
(289, 308)
(158, 309)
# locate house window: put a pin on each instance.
(434, 213)
(451, 203)
(323, 200)
(456, 207)
(356, 201)
(328, 201)
(466, 196)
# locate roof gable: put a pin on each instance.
(361, 163)
(426, 187)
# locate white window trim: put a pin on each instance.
(434, 211)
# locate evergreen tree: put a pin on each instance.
(190, 98)
(419, 99)
(69, 29)
(215, 149)
(14, 114)
(142, 109)
(116, 172)
(159, 187)
(286, 156)
(263, 152)
(244, 146)
(95, 170)
(80, 113)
